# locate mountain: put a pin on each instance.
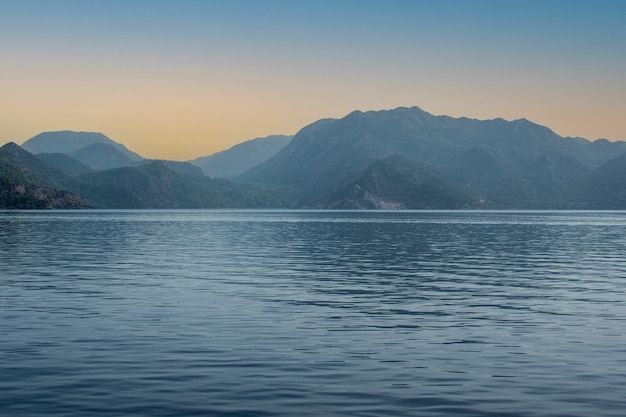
(605, 188)
(22, 165)
(101, 156)
(183, 168)
(403, 158)
(41, 181)
(400, 183)
(601, 151)
(65, 163)
(241, 157)
(507, 164)
(93, 149)
(151, 185)
(22, 187)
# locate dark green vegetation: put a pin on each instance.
(57, 180)
(395, 159)
(395, 183)
(29, 183)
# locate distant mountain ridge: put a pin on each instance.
(32, 181)
(68, 142)
(403, 158)
(494, 159)
(101, 156)
(605, 188)
(241, 157)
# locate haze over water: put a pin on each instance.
(280, 313)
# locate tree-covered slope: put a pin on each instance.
(152, 185)
(400, 183)
(510, 164)
(28, 183)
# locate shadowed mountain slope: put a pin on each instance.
(605, 188)
(65, 163)
(400, 183)
(28, 183)
(101, 156)
(152, 185)
(497, 160)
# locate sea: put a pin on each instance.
(312, 313)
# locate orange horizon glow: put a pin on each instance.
(180, 80)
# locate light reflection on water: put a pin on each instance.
(167, 313)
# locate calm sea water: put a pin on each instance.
(285, 313)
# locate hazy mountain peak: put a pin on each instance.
(102, 155)
(241, 157)
(63, 141)
(92, 148)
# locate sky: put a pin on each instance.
(181, 79)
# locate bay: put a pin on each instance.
(334, 313)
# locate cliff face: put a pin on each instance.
(26, 196)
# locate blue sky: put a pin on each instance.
(181, 79)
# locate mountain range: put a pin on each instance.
(403, 158)
(91, 148)
(240, 158)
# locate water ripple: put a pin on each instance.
(276, 313)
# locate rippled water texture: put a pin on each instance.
(258, 313)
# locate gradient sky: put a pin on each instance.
(180, 79)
